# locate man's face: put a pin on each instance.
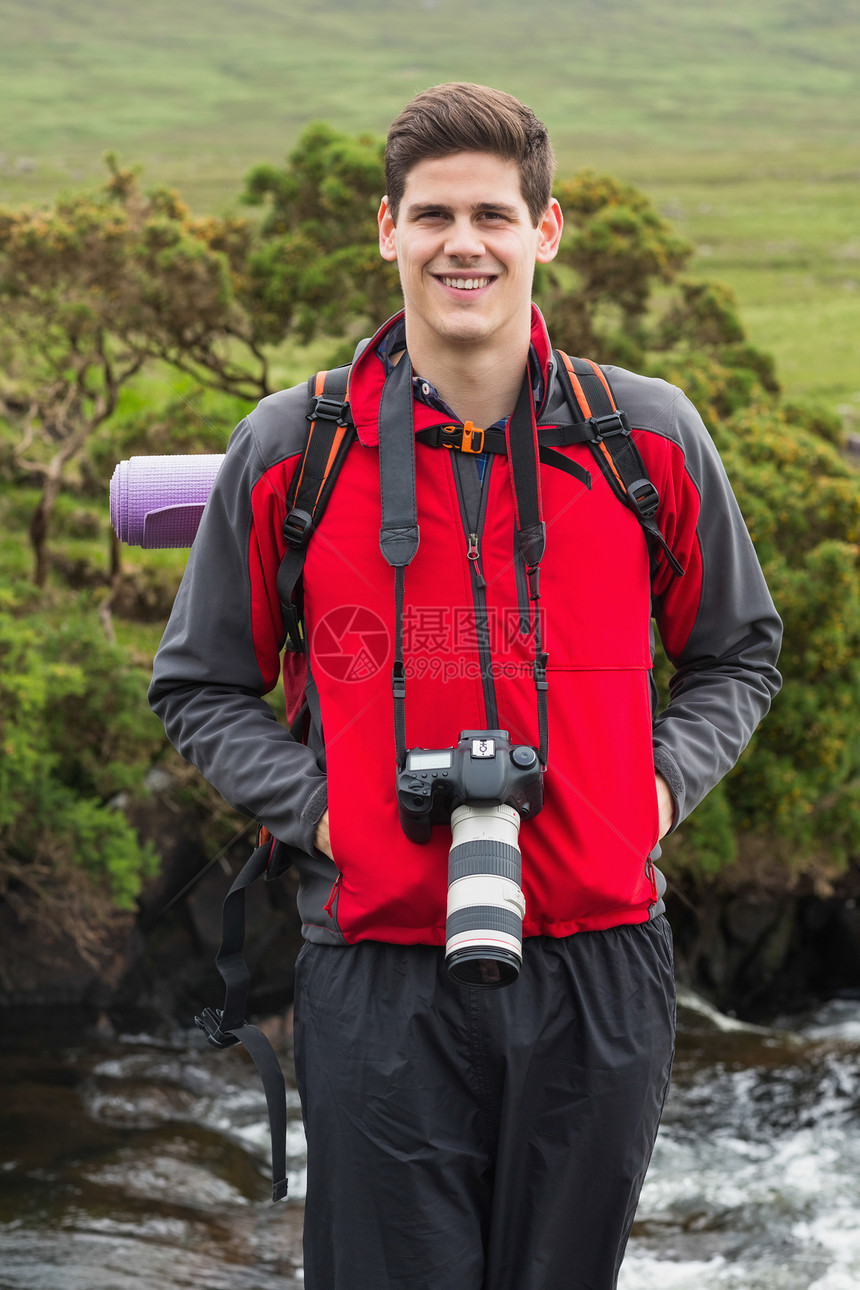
(466, 249)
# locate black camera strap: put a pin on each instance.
(399, 533)
(523, 455)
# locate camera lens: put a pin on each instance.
(484, 928)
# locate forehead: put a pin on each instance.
(464, 179)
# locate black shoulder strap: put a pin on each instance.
(226, 1026)
(592, 402)
(330, 435)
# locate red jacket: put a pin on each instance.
(587, 856)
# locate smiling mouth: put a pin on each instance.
(465, 284)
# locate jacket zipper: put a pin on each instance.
(473, 533)
(329, 906)
(652, 879)
(473, 551)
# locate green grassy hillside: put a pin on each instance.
(741, 121)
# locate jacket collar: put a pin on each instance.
(367, 378)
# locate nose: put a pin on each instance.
(463, 240)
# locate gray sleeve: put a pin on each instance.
(208, 678)
(718, 623)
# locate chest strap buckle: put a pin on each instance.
(464, 439)
(470, 433)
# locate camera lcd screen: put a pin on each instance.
(436, 760)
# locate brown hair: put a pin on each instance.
(460, 117)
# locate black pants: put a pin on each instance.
(463, 1139)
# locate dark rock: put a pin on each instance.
(45, 969)
(161, 964)
(748, 918)
(171, 961)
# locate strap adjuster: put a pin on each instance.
(297, 527)
(209, 1022)
(325, 409)
(612, 423)
(539, 673)
(644, 497)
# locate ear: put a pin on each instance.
(387, 232)
(549, 233)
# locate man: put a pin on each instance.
(462, 1138)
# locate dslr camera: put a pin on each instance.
(485, 787)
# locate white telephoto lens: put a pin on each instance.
(486, 906)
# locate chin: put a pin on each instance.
(463, 329)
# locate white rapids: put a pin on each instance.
(135, 1162)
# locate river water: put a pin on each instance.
(129, 1162)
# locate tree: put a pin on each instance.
(89, 290)
(62, 370)
(596, 295)
(317, 270)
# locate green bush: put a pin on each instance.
(74, 733)
(798, 785)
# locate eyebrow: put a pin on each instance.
(424, 208)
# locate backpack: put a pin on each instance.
(597, 422)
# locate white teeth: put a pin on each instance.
(466, 284)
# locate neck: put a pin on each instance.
(480, 385)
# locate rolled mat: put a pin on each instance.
(157, 501)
